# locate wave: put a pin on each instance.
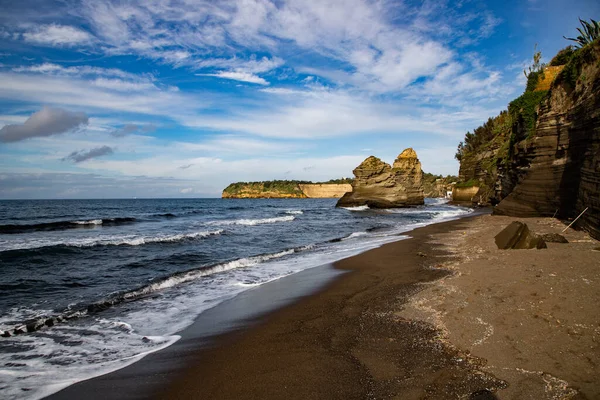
(165, 215)
(129, 240)
(63, 225)
(357, 208)
(250, 222)
(294, 212)
(176, 279)
(355, 235)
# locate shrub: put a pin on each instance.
(563, 56)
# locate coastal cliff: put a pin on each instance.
(436, 186)
(379, 185)
(286, 190)
(542, 156)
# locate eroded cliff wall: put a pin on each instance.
(557, 171)
(325, 190)
(544, 159)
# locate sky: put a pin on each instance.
(178, 98)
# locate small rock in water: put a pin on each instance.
(49, 322)
(6, 334)
(554, 238)
(145, 339)
(19, 330)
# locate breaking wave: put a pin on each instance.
(129, 240)
(250, 222)
(176, 279)
(63, 225)
(357, 208)
(294, 212)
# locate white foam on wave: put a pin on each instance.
(355, 235)
(199, 273)
(108, 344)
(294, 212)
(124, 240)
(251, 222)
(357, 208)
(90, 222)
(103, 349)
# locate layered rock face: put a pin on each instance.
(325, 190)
(557, 172)
(379, 185)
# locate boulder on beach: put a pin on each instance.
(518, 236)
(554, 238)
(379, 185)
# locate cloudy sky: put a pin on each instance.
(177, 98)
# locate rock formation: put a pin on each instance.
(518, 236)
(379, 185)
(547, 163)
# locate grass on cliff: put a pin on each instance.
(575, 60)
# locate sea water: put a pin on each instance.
(120, 278)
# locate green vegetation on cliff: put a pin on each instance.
(490, 148)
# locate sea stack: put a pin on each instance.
(379, 185)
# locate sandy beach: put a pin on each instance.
(441, 315)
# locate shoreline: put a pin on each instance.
(343, 341)
(153, 372)
(442, 314)
(164, 364)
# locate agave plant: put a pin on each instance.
(589, 33)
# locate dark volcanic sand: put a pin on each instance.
(343, 342)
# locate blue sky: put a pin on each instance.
(165, 98)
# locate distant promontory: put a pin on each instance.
(287, 189)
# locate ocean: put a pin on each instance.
(101, 283)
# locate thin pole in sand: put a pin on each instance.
(555, 213)
(575, 219)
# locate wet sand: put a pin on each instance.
(442, 315)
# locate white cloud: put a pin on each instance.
(232, 144)
(122, 85)
(238, 76)
(376, 54)
(83, 71)
(57, 35)
(252, 65)
(77, 92)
